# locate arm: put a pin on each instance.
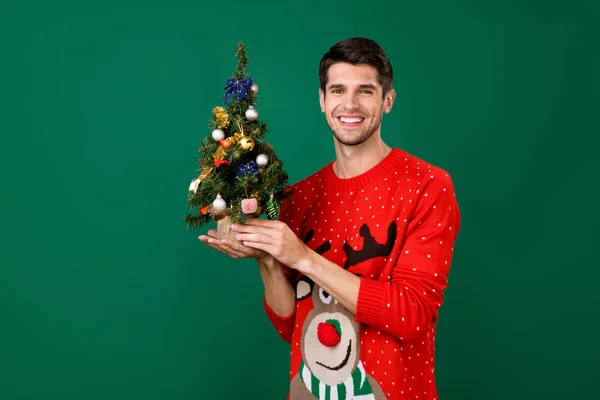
(279, 298)
(406, 306)
(409, 304)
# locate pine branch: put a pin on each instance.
(240, 72)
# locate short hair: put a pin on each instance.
(358, 51)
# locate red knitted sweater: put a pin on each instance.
(394, 226)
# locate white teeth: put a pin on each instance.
(351, 120)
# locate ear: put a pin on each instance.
(322, 100)
(388, 101)
(304, 288)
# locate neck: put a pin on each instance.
(352, 161)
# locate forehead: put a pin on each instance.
(352, 75)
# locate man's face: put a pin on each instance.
(353, 102)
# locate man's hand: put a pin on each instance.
(277, 239)
(234, 250)
(274, 238)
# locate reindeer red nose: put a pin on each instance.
(329, 332)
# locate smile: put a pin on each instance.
(343, 363)
(350, 121)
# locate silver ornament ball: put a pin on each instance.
(254, 88)
(251, 113)
(218, 134)
(262, 160)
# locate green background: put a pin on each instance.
(104, 293)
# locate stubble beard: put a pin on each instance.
(364, 135)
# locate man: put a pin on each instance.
(355, 268)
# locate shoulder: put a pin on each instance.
(299, 197)
(305, 186)
(422, 172)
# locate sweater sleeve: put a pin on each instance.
(283, 325)
(408, 303)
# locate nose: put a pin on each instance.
(350, 102)
(329, 332)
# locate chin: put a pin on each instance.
(348, 138)
(352, 141)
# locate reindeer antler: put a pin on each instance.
(323, 248)
(371, 249)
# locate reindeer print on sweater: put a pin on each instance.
(331, 368)
(394, 227)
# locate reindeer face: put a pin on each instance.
(330, 336)
(330, 342)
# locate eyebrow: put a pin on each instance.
(342, 86)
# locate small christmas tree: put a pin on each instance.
(239, 174)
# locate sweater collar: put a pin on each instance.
(359, 181)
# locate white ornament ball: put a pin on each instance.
(262, 160)
(254, 88)
(218, 134)
(219, 204)
(251, 113)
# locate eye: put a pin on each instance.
(367, 91)
(324, 296)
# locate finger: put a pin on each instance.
(266, 231)
(233, 249)
(265, 247)
(237, 249)
(221, 247)
(254, 237)
(258, 245)
(211, 234)
(210, 240)
(215, 244)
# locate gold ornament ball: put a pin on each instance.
(247, 143)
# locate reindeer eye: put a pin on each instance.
(325, 297)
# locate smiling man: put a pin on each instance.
(355, 269)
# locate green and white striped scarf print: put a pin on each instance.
(356, 387)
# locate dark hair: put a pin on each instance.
(358, 51)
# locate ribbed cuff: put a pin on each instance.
(282, 324)
(369, 306)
